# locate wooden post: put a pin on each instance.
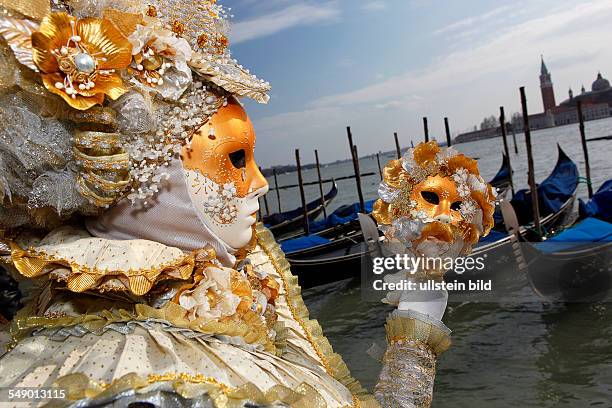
(425, 129)
(355, 167)
(361, 202)
(585, 149)
(302, 195)
(397, 146)
(265, 198)
(379, 168)
(278, 200)
(320, 183)
(448, 135)
(514, 140)
(502, 123)
(531, 172)
(412, 144)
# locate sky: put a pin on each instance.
(380, 66)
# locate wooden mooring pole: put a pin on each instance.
(531, 172)
(378, 162)
(355, 167)
(448, 134)
(320, 183)
(426, 129)
(397, 146)
(502, 123)
(302, 195)
(585, 150)
(514, 140)
(361, 201)
(278, 200)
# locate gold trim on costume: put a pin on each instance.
(35, 9)
(80, 386)
(332, 362)
(250, 328)
(405, 329)
(32, 264)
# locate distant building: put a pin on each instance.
(546, 87)
(596, 104)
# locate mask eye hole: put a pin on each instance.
(238, 158)
(430, 197)
(456, 206)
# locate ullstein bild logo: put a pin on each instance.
(430, 285)
(412, 264)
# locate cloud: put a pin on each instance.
(292, 16)
(376, 5)
(473, 20)
(464, 84)
(503, 52)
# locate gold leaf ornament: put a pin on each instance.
(80, 60)
(18, 36)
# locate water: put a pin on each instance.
(520, 354)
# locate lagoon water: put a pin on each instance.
(522, 353)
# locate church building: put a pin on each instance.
(596, 104)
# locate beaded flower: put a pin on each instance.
(79, 60)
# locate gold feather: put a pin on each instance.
(18, 35)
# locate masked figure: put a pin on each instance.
(434, 206)
(129, 196)
(129, 191)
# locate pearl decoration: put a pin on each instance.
(84, 63)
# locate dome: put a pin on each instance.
(600, 84)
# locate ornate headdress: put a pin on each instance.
(397, 211)
(96, 96)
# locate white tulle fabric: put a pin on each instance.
(170, 219)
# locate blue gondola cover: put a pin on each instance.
(589, 230)
(600, 206)
(553, 192)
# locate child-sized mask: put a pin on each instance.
(223, 179)
(434, 202)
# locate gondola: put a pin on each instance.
(281, 223)
(503, 178)
(576, 264)
(341, 257)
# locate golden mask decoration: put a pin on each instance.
(79, 59)
(439, 188)
(438, 197)
(223, 150)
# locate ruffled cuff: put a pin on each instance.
(405, 326)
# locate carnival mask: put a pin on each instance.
(434, 202)
(223, 180)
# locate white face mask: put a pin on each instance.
(222, 176)
(227, 215)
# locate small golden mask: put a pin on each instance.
(438, 197)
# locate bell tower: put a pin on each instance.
(546, 86)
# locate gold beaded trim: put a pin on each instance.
(331, 362)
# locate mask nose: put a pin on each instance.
(443, 214)
(259, 184)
